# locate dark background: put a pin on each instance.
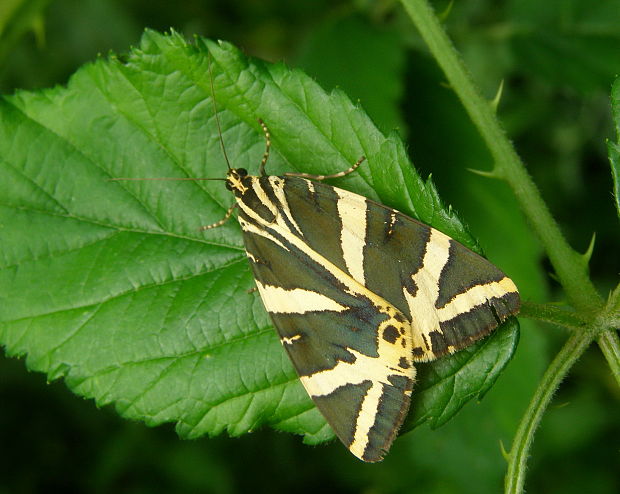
(557, 59)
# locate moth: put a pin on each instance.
(359, 293)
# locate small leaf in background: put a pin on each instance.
(572, 43)
(113, 287)
(18, 17)
(337, 55)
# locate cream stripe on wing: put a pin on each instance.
(277, 186)
(422, 305)
(352, 212)
(248, 227)
(366, 418)
(251, 213)
(364, 368)
(289, 341)
(295, 300)
(475, 296)
(352, 286)
(262, 196)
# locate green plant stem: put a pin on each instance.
(563, 361)
(570, 267)
(553, 314)
(608, 339)
(609, 344)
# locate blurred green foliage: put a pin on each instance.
(558, 60)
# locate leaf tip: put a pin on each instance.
(587, 255)
(443, 16)
(505, 454)
(498, 96)
(485, 173)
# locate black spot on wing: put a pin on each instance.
(440, 341)
(390, 334)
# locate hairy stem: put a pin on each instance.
(608, 340)
(519, 452)
(553, 314)
(609, 344)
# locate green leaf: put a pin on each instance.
(112, 285)
(448, 384)
(613, 148)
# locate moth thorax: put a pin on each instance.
(236, 180)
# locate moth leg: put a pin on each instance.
(222, 221)
(334, 175)
(252, 290)
(261, 168)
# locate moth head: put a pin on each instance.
(235, 180)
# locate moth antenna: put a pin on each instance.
(126, 179)
(261, 168)
(217, 118)
(222, 221)
(333, 175)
